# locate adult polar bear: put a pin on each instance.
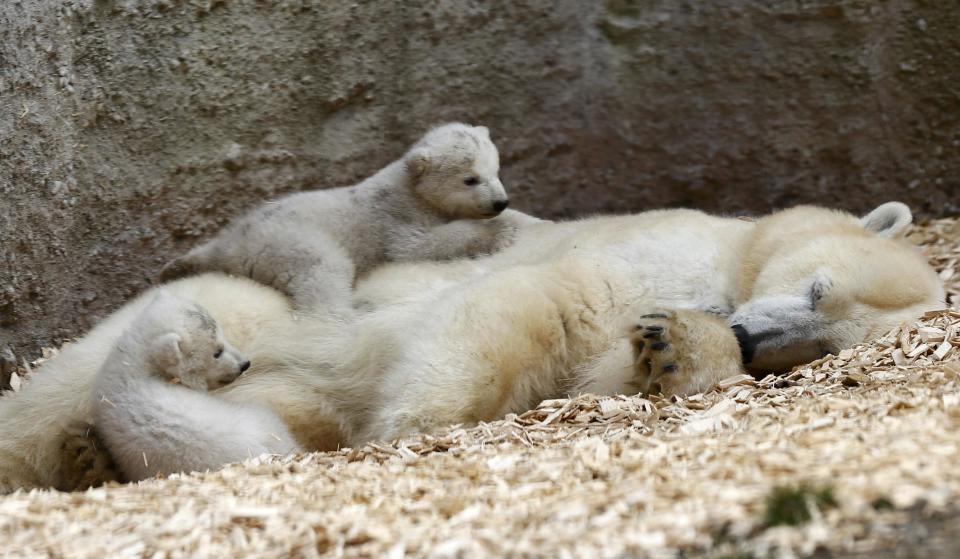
(556, 313)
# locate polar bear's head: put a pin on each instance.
(183, 342)
(454, 169)
(815, 281)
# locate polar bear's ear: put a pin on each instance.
(888, 220)
(483, 131)
(165, 354)
(417, 162)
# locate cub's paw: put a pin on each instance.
(680, 352)
(84, 460)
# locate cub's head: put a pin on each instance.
(454, 170)
(814, 281)
(184, 342)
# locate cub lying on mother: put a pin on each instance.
(149, 398)
(554, 314)
(434, 203)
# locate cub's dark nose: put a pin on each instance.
(245, 365)
(500, 205)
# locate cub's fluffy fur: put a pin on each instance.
(154, 427)
(312, 245)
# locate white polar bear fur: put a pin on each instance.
(443, 343)
(312, 245)
(153, 427)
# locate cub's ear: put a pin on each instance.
(417, 162)
(483, 131)
(888, 220)
(165, 356)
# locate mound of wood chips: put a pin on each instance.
(604, 477)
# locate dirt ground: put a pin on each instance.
(850, 456)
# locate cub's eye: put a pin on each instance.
(218, 353)
(471, 181)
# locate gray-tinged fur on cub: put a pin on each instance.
(313, 245)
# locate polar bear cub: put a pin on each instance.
(313, 245)
(153, 426)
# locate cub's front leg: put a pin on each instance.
(682, 352)
(458, 239)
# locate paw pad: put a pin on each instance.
(654, 356)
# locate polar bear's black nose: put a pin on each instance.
(747, 345)
(245, 365)
(500, 205)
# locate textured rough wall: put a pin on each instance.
(732, 104)
(130, 129)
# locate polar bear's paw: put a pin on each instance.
(84, 460)
(655, 353)
(680, 352)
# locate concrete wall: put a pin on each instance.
(129, 129)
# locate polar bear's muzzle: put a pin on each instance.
(778, 332)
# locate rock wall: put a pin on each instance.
(129, 129)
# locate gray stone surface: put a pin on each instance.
(129, 129)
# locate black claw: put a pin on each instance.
(654, 328)
(652, 335)
(659, 346)
(654, 315)
(669, 368)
